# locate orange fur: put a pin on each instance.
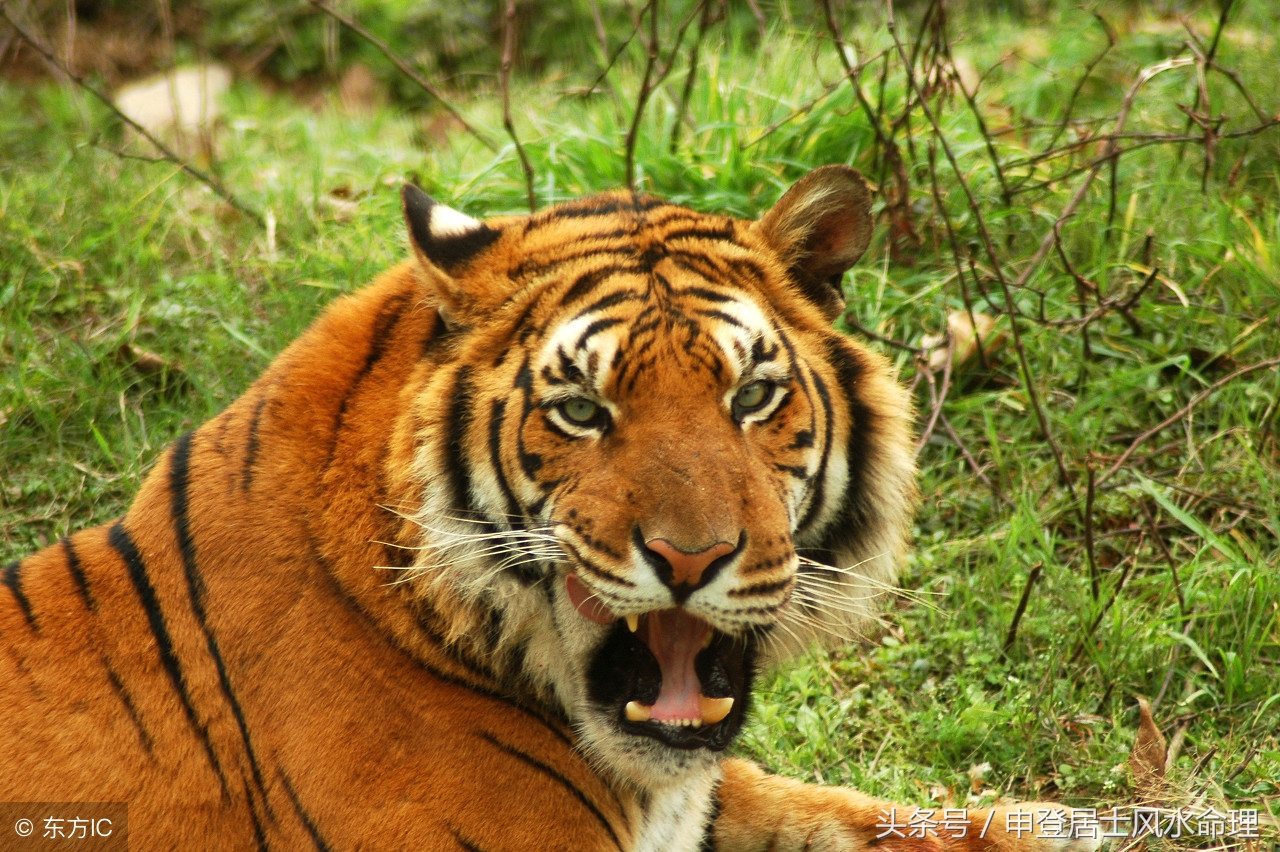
(293, 640)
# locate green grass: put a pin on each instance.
(99, 253)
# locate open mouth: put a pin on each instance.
(668, 674)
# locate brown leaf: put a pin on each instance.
(1148, 757)
(144, 361)
(966, 333)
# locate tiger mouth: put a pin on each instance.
(670, 675)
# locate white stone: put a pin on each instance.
(182, 98)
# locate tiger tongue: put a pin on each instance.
(675, 637)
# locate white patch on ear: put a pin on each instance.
(447, 222)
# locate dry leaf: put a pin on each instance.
(965, 334)
(142, 360)
(978, 776)
(1147, 760)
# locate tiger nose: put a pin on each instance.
(678, 568)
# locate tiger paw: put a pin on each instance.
(760, 812)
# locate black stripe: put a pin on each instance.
(379, 337)
(706, 294)
(581, 561)
(77, 575)
(800, 473)
(705, 266)
(130, 708)
(587, 282)
(594, 328)
(554, 775)
(760, 589)
(708, 843)
(818, 495)
(526, 574)
(464, 843)
(122, 543)
(12, 578)
(179, 482)
(497, 415)
(307, 821)
(594, 246)
(454, 457)
(251, 450)
(595, 205)
(854, 503)
(530, 462)
(616, 298)
(745, 268)
(701, 231)
(723, 317)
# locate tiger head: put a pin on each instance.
(649, 466)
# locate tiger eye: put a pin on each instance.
(752, 396)
(579, 410)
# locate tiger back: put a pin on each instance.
(490, 557)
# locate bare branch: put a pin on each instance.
(208, 180)
(1269, 363)
(1012, 635)
(504, 82)
(646, 89)
(1028, 378)
(404, 68)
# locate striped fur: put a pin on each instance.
(489, 557)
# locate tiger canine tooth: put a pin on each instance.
(706, 640)
(633, 624)
(713, 709)
(637, 712)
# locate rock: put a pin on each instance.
(180, 105)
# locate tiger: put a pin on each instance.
(491, 556)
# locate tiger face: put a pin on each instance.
(663, 470)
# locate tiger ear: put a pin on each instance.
(820, 228)
(446, 241)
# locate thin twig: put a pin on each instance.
(654, 74)
(1184, 411)
(1206, 57)
(936, 397)
(9, 37)
(1012, 635)
(646, 89)
(1089, 495)
(691, 74)
(418, 80)
(1079, 87)
(971, 98)
(973, 463)
(980, 221)
(1129, 562)
(613, 57)
(854, 325)
(504, 82)
(1168, 557)
(208, 180)
(899, 200)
